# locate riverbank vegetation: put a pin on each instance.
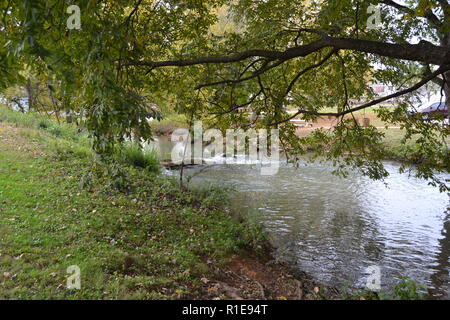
(76, 191)
(152, 240)
(125, 63)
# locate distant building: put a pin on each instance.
(420, 97)
(382, 89)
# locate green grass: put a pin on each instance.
(393, 140)
(367, 111)
(67, 140)
(134, 155)
(155, 241)
(35, 121)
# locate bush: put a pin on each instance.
(407, 289)
(132, 154)
(44, 123)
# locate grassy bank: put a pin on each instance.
(152, 241)
(155, 241)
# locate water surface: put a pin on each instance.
(334, 228)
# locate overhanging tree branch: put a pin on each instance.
(423, 52)
(234, 81)
(417, 86)
(437, 80)
(313, 66)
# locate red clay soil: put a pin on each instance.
(330, 122)
(255, 278)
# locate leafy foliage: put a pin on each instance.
(134, 155)
(97, 72)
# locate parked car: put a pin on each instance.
(438, 107)
(433, 110)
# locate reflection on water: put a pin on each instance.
(335, 228)
(442, 267)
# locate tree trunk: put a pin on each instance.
(30, 96)
(447, 94)
(445, 42)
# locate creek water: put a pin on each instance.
(335, 228)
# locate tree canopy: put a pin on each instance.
(211, 58)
